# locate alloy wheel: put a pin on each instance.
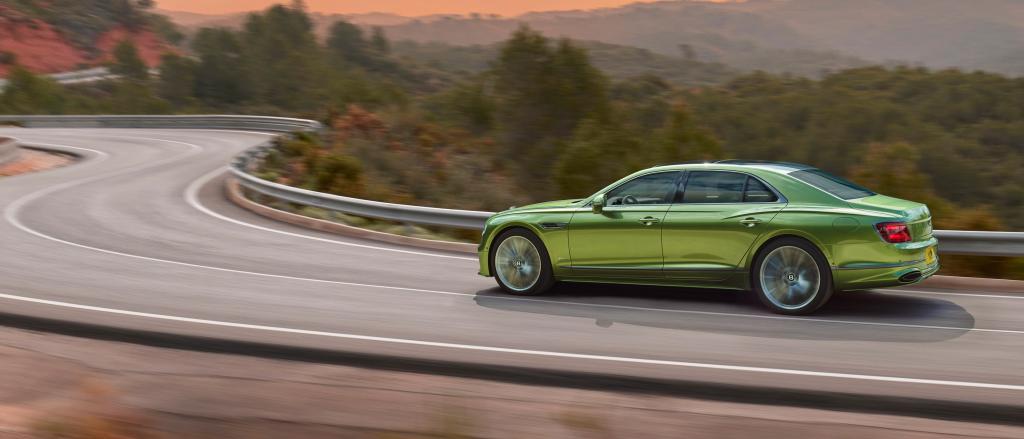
(517, 263)
(790, 277)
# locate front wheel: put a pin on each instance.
(521, 264)
(791, 276)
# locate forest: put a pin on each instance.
(540, 120)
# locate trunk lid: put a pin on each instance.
(916, 215)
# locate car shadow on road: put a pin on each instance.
(869, 316)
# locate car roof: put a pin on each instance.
(767, 165)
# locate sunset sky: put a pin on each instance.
(402, 7)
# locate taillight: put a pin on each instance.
(894, 232)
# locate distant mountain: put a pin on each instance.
(619, 62)
(191, 21)
(705, 31)
(798, 36)
(971, 34)
(804, 37)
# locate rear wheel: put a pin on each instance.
(791, 276)
(521, 263)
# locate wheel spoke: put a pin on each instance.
(789, 277)
(517, 263)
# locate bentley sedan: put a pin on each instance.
(791, 233)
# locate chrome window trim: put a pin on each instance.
(781, 199)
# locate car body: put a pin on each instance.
(713, 228)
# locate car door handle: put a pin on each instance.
(650, 220)
(750, 222)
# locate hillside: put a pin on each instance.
(976, 34)
(618, 62)
(796, 36)
(63, 35)
(707, 32)
(191, 22)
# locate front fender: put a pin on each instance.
(551, 227)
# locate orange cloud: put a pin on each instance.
(402, 7)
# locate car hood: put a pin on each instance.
(558, 204)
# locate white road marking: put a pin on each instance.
(942, 293)
(577, 356)
(192, 198)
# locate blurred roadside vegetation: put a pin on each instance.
(536, 118)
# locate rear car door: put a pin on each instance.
(714, 222)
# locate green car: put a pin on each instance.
(792, 233)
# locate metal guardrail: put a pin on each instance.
(950, 241)
(967, 242)
(242, 123)
(95, 74)
(8, 149)
(435, 216)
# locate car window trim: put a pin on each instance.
(671, 202)
(780, 199)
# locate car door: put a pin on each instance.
(714, 222)
(624, 239)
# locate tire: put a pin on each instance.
(520, 263)
(791, 276)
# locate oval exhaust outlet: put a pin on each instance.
(910, 277)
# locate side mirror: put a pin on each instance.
(597, 203)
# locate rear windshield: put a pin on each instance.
(830, 183)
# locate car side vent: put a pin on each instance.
(553, 226)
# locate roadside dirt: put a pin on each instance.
(31, 161)
(61, 386)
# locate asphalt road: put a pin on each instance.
(139, 235)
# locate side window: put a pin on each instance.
(714, 187)
(757, 192)
(725, 187)
(648, 189)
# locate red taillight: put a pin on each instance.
(894, 232)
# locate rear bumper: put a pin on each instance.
(848, 279)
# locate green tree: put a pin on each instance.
(599, 153)
(177, 79)
(468, 105)
(346, 43)
(132, 97)
(128, 63)
(379, 41)
(283, 58)
(683, 139)
(543, 93)
(892, 169)
(27, 93)
(221, 77)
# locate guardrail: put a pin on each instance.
(435, 216)
(950, 241)
(206, 121)
(94, 74)
(8, 149)
(967, 242)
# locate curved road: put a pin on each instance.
(139, 235)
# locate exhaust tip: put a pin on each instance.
(910, 277)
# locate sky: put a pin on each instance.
(401, 7)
